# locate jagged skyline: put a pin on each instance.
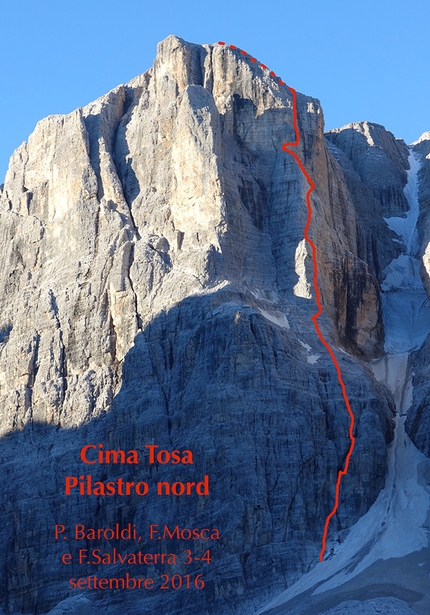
(157, 295)
(362, 62)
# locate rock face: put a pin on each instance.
(418, 421)
(372, 157)
(375, 164)
(156, 289)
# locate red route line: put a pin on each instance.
(315, 317)
(285, 147)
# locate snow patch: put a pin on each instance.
(278, 318)
(311, 358)
(405, 303)
(405, 227)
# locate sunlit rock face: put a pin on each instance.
(155, 289)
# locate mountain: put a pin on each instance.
(157, 291)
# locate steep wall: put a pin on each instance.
(156, 289)
(418, 421)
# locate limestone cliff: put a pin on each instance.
(156, 289)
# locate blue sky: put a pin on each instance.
(363, 60)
